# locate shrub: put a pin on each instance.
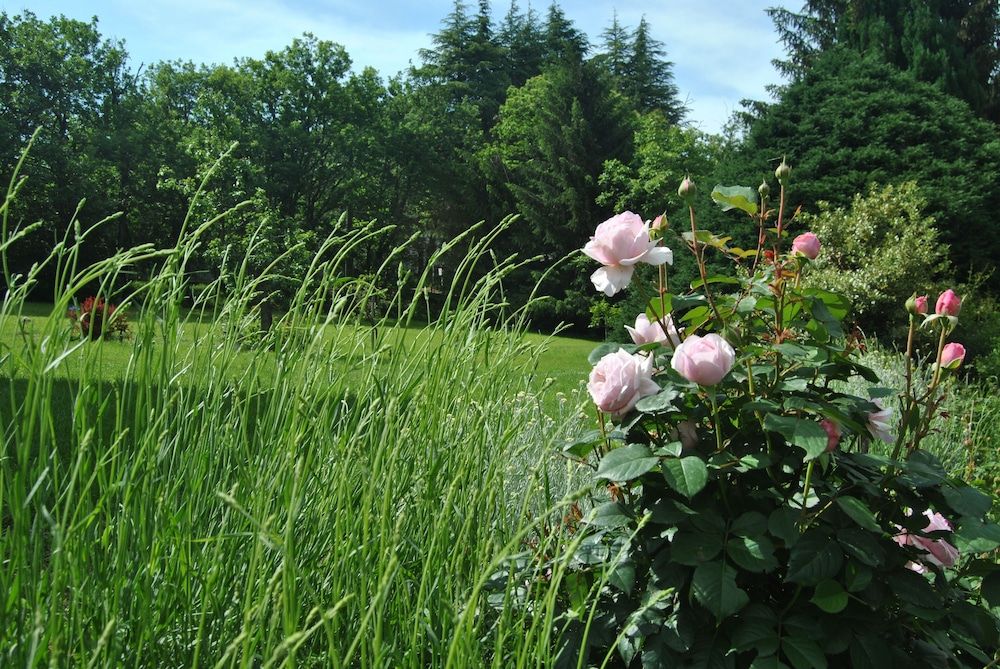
(740, 518)
(99, 318)
(879, 251)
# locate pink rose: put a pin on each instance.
(952, 355)
(936, 551)
(832, 433)
(704, 360)
(948, 303)
(920, 305)
(806, 244)
(645, 332)
(619, 243)
(880, 422)
(621, 379)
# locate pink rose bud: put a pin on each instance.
(703, 360)
(948, 304)
(646, 332)
(621, 379)
(619, 243)
(659, 223)
(687, 191)
(832, 433)
(952, 355)
(920, 305)
(806, 244)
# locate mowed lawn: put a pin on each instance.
(561, 367)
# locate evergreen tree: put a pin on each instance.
(523, 42)
(953, 44)
(649, 79)
(852, 121)
(617, 50)
(563, 42)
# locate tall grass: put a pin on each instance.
(326, 496)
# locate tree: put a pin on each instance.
(851, 121)
(555, 134)
(648, 79)
(953, 44)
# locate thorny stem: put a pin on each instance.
(805, 489)
(928, 397)
(908, 398)
(699, 255)
(662, 320)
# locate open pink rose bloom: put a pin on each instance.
(621, 379)
(619, 243)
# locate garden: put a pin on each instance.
(292, 406)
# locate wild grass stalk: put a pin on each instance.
(327, 495)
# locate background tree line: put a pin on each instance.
(523, 115)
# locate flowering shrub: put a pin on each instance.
(740, 518)
(98, 318)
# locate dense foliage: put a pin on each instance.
(743, 515)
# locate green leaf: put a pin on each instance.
(584, 445)
(968, 501)
(657, 402)
(627, 463)
(606, 348)
(830, 596)
(686, 475)
(695, 548)
(913, 588)
(857, 577)
(870, 652)
(859, 512)
(803, 653)
(990, 589)
(609, 514)
(714, 587)
(806, 434)
(781, 524)
(682, 302)
(623, 577)
(578, 587)
(749, 524)
(698, 283)
(924, 469)
(862, 545)
(756, 629)
(753, 554)
(769, 662)
(736, 197)
(814, 558)
(976, 537)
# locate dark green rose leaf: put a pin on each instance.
(714, 587)
(627, 463)
(686, 475)
(859, 512)
(814, 558)
(608, 347)
(830, 596)
(968, 501)
(609, 514)
(749, 524)
(694, 548)
(756, 629)
(806, 434)
(976, 537)
(803, 653)
(752, 554)
(658, 402)
(584, 445)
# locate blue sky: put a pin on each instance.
(721, 49)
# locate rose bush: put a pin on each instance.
(743, 514)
